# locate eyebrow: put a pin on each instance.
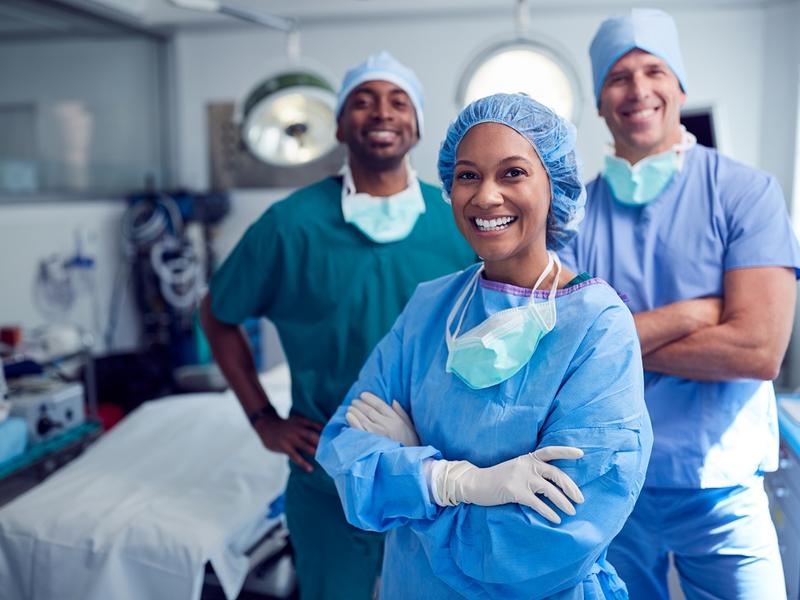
(507, 159)
(625, 70)
(515, 158)
(372, 92)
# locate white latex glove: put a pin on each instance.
(514, 481)
(370, 413)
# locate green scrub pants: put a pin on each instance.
(333, 559)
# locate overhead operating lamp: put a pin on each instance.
(288, 119)
(522, 62)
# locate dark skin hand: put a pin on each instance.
(294, 436)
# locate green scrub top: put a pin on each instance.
(331, 292)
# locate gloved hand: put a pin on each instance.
(514, 481)
(370, 413)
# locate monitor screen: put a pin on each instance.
(700, 122)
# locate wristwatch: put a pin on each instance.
(261, 412)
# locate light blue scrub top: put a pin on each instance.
(716, 215)
(583, 387)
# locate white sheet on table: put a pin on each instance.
(180, 481)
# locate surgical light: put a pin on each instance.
(289, 120)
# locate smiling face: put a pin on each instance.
(641, 102)
(501, 199)
(379, 125)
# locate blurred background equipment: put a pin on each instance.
(288, 119)
(48, 407)
(167, 239)
(285, 121)
(60, 281)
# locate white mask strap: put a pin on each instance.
(549, 319)
(469, 289)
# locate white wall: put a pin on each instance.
(30, 233)
(720, 45)
(779, 124)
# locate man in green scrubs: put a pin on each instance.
(332, 265)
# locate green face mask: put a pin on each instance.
(499, 347)
(382, 219)
(643, 182)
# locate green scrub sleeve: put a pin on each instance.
(245, 285)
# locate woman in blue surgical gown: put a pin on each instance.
(498, 432)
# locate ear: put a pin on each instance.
(339, 132)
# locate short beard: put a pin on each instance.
(380, 164)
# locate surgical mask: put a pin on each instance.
(382, 219)
(501, 345)
(640, 184)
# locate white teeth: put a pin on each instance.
(494, 224)
(643, 114)
(381, 135)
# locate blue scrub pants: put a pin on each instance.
(723, 540)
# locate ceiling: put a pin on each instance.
(45, 18)
(163, 12)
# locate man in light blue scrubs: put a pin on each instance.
(704, 250)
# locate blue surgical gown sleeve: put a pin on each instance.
(380, 482)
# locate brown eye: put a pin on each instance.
(359, 102)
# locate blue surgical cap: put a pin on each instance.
(553, 139)
(647, 29)
(383, 67)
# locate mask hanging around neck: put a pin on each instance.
(382, 219)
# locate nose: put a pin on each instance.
(488, 195)
(639, 87)
(382, 109)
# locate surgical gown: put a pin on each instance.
(582, 387)
(332, 294)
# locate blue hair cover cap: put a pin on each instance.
(383, 67)
(647, 29)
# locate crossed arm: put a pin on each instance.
(744, 335)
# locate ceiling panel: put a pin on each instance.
(163, 12)
(21, 18)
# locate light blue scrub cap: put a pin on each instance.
(383, 67)
(647, 29)
(553, 139)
